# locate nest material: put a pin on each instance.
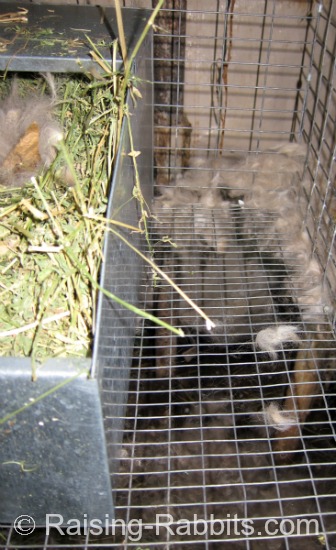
(52, 233)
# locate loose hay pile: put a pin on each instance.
(52, 228)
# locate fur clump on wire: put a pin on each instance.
(267, 191)
(270, 186)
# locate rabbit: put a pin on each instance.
(29, 135)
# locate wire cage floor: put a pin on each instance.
(229, 442)
(199, 443)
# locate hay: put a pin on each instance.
(51, 233)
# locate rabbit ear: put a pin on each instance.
(11, 106)
(50, 135)
(48, 77)
(14, 90)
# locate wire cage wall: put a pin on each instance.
(229, 435)
(72, 420)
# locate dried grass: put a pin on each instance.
(52, 234)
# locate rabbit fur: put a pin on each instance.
(272, 184)
(200, 215)
(19, 115)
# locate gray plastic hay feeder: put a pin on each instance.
(58, 455)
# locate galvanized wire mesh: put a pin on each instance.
(200, 465)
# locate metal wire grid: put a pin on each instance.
(195, 438)
(242, 74)
(256, 76)
(318, 129)
(197, 434)
(195, 442)
(196, 445)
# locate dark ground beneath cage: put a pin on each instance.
(195, 443)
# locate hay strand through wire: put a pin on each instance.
(53, 233)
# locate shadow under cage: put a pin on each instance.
(229, 433)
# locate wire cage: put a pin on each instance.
(54, 424)
(229, 434)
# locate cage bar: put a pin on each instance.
(228, 443)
